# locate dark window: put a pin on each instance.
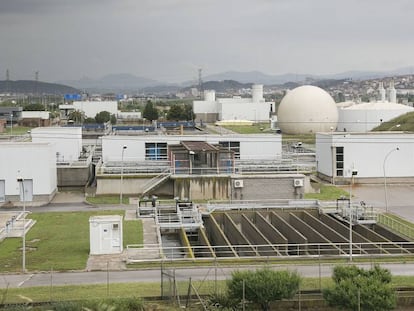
(233, 146)
(155, 151)
(339, 161)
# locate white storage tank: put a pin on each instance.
(210, 95)
(257, 93)
(105, 234)
(307, 109)
(364, 117)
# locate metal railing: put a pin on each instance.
(396, 225)
(155, 181)
(277, 251)
(260, 204)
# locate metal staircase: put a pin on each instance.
(155, 182)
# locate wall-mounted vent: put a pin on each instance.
(238, 183)
(298, 182)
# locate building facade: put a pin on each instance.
(365, 157)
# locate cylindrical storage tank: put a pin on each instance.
(210, 95)
(307, 109)
(257, 93)
(393, 95)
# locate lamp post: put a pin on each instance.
(23, 199)
(385, 177)
(122, 173)
(11, 124)
(354, 172)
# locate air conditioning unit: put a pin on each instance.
(298, 182)
(238, 183)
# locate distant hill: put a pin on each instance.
(259, 77)
(113, 83)
(35, 87)
(222, 86)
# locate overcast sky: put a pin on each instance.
(168, 40)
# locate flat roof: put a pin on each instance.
(198, 146)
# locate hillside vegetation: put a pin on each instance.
(401, 123)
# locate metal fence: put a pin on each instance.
(277, 251)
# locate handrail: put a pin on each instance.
(396, 225)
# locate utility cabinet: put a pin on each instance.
(105, 234)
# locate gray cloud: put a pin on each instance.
(168, 39)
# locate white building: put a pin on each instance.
(67, 141)
(150, 147)
(105, 234)
(366, 157)
(90, 108)
(34, 163)
(237, 108)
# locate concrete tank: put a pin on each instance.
(257, 93)
(210, 95)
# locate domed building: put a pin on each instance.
(307, 109)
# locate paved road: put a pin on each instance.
(153, 275)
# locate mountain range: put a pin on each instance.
(125, 82)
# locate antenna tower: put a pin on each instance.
(200, 82)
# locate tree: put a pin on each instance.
(150, 112)
(113, 119)
(176, 112)
(263, 286)
(188, 112)
(356, 288)
(102, 117)
(76, 116)
(34, 107)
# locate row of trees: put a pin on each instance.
(176, 112)
(353, 289)
(101, 117)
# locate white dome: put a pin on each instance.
(307, 109)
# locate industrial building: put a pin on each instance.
(365, 157)
(154, 147)
(89, 108)
(35, 163)
(67, 141)
(213, 109)
(198, 167)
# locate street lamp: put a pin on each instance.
(11, 124)
(122, 173)
(385, 177)
(23, 199)
(354, 172)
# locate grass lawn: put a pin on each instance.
(59, 241)
(327, 193)
(17, 130)
(107, 199)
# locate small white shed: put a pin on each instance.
(105, 234)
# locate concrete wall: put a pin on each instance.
(202, 188)
(267, 187)
(68, 176)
